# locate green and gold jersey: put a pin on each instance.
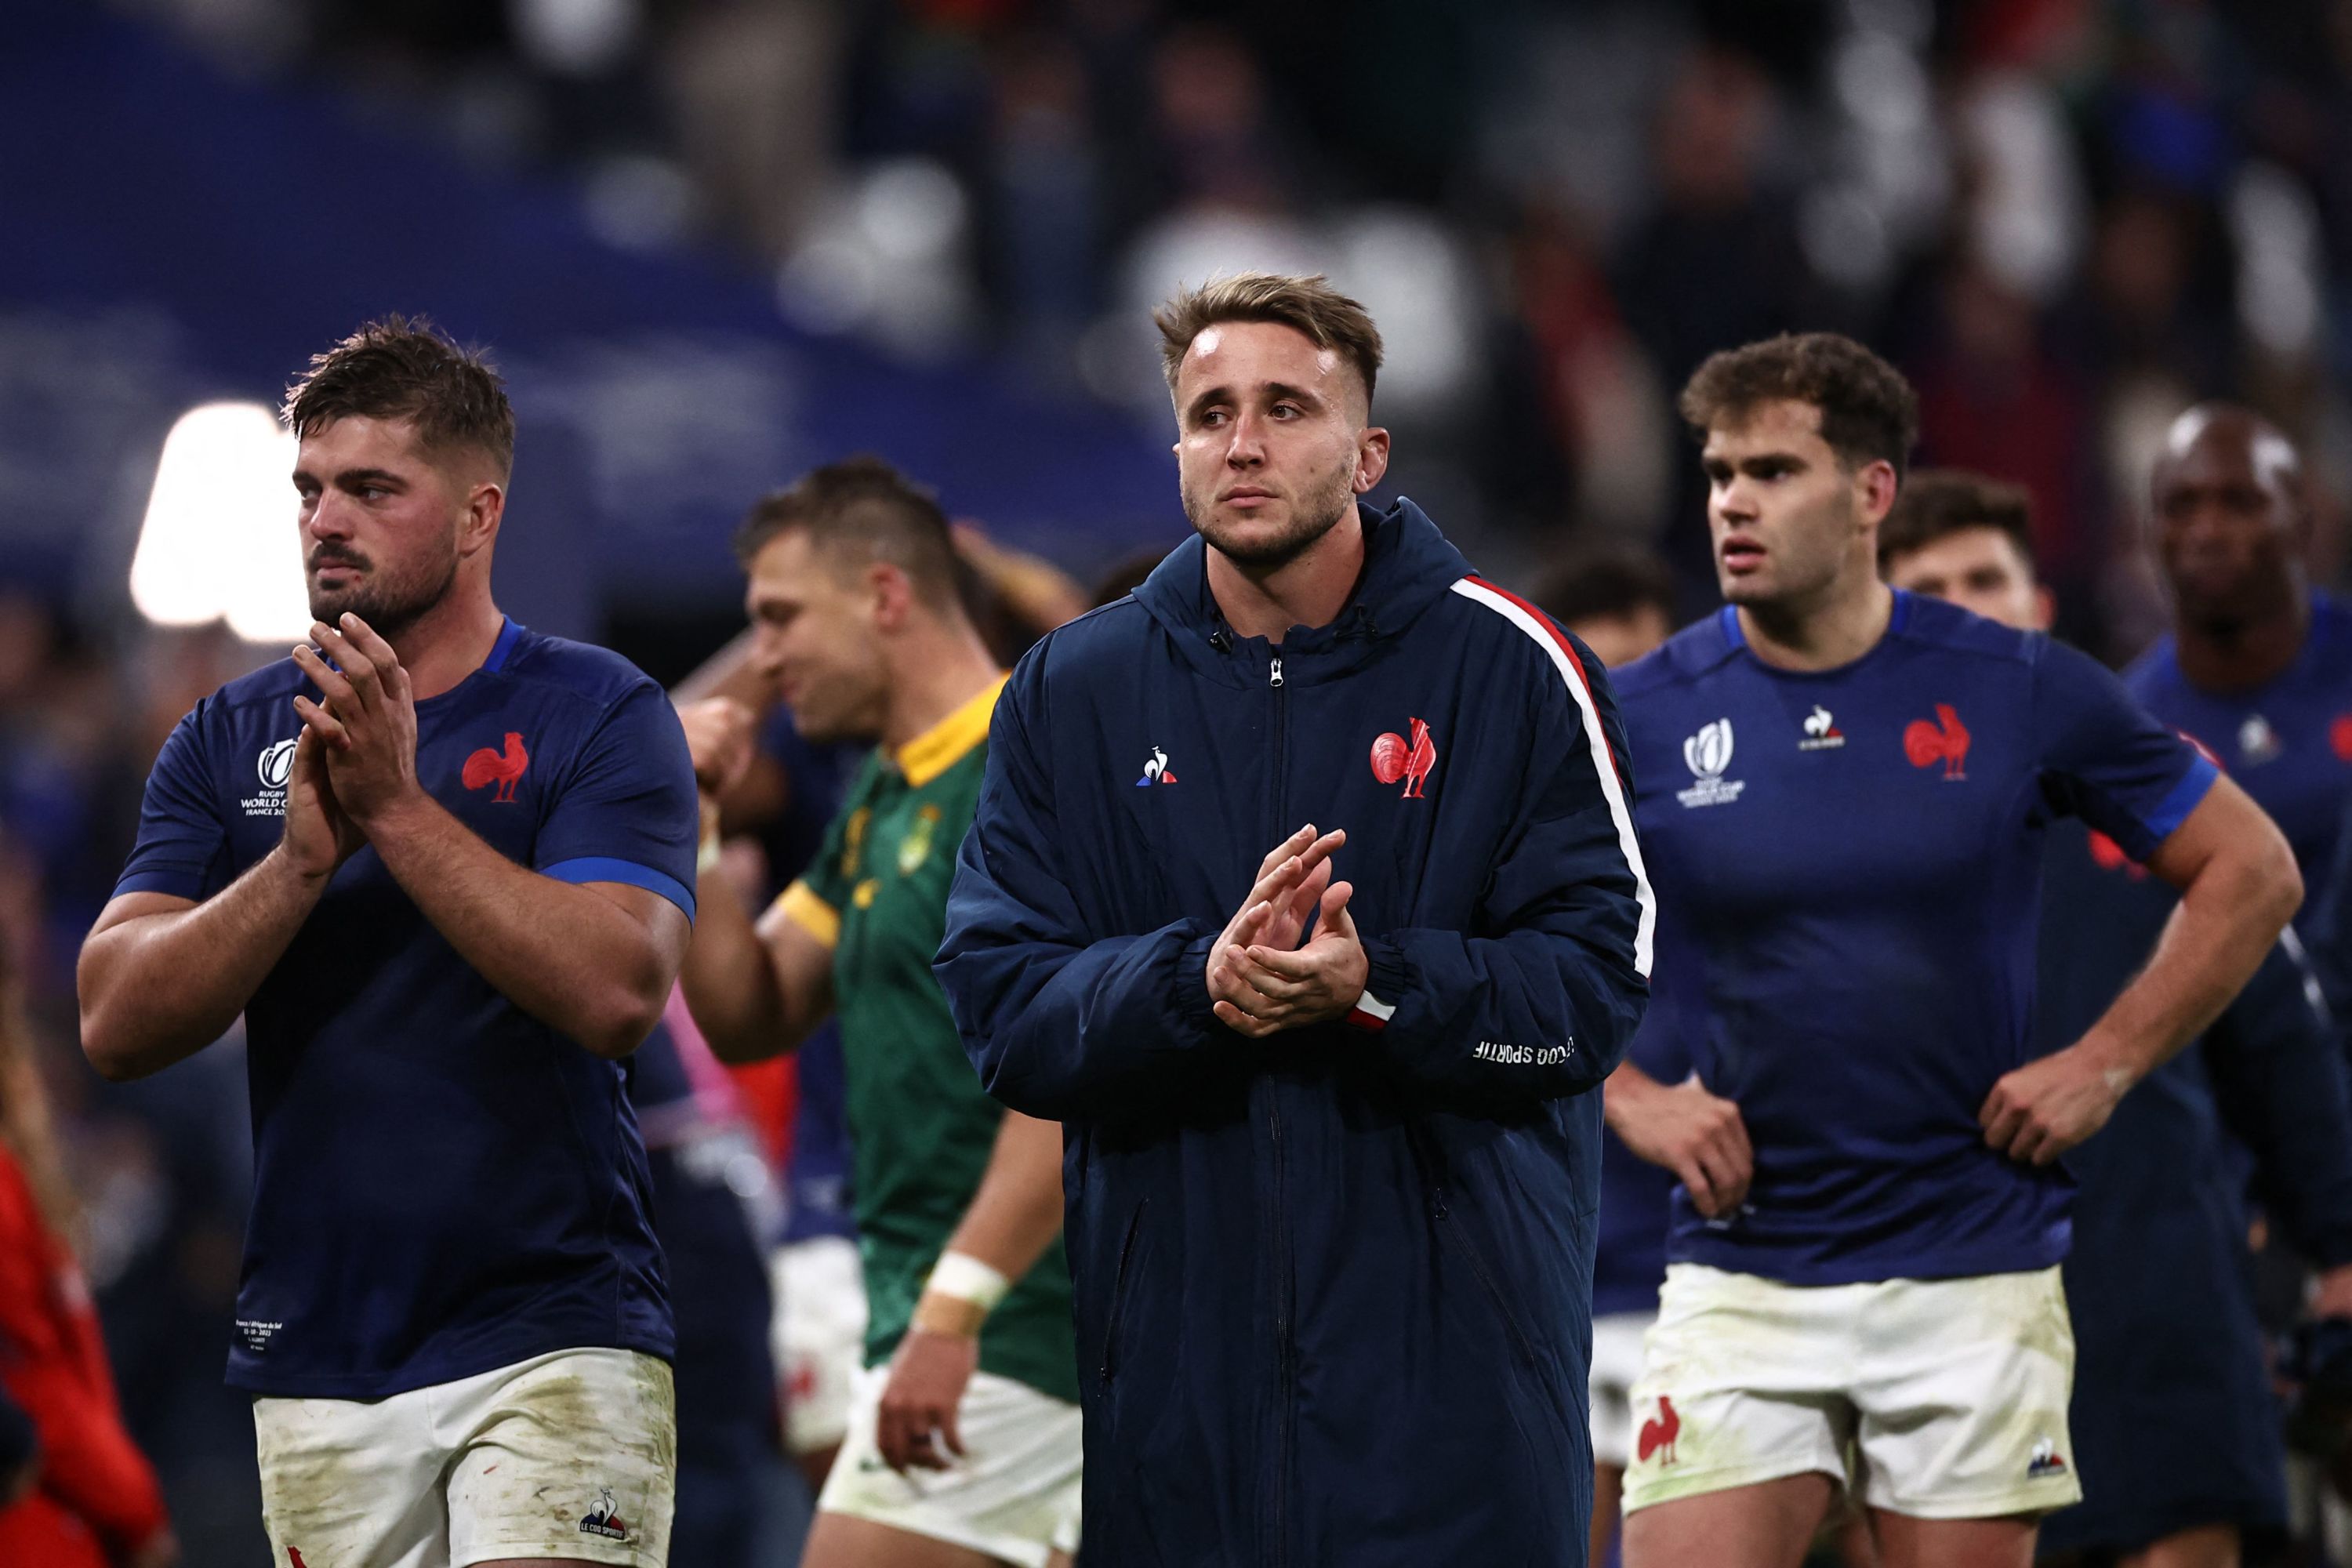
(920, 1128)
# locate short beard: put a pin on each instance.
(1317, 516)
(389, 608)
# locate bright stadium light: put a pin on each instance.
(220, 541)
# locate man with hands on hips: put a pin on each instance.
(1844, 790)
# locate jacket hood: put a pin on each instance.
(1408, 566)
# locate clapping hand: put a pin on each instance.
(368, 722)
(1260, 980)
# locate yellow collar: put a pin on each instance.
(937, 749)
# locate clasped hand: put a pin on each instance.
(356, 757)
(1260, 979)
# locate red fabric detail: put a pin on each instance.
(1363, 1020)
(770, 1093)
(1574, 663)
(53, 1364)
(43, 1530)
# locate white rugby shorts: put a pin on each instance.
(1014, 1495)
(1934, 1398)
(817, 1337)
(571, 1455)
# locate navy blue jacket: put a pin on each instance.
(1332, 1288)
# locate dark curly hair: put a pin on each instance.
(1869, 413)
(404, 367)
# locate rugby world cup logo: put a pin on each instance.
(1708, 753)
(275, 767)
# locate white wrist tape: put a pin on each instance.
(966, 1279)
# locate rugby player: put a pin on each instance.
(443, 864)
(2172, 1412)
(2258, 665)
(1844, 788)
(964, 1444)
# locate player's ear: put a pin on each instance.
(1875, 487)
(893, 595)
(1372, 457)
(485, 507)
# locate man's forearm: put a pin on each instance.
(732, 986)
(565, 954)
(1017, 1211)
(2228, 918)
(160, 988)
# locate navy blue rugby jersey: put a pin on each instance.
(1848, 864)
(443, 1185)
(2288, 742)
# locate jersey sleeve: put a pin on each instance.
(628, 812)
(2105, 760)
(817, 896)
(183, 845)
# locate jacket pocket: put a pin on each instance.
(1455, 1236)
(1429, 1160)
(1120, 1286)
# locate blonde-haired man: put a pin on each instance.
(1303, 890)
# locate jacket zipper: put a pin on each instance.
(1285, 1353)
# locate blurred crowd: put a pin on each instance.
(2064, 218)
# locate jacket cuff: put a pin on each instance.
(1386, 984)
(1196, 1010)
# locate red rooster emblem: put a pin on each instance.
(1394, 758)
(487, 766)
(1926, 744)
(1661, 1433)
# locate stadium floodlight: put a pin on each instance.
(220, 541)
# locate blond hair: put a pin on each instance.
(1309, 305)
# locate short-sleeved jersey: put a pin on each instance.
(921, 1129)
(2288, 742)
(1848, 865)
(442, 1183)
